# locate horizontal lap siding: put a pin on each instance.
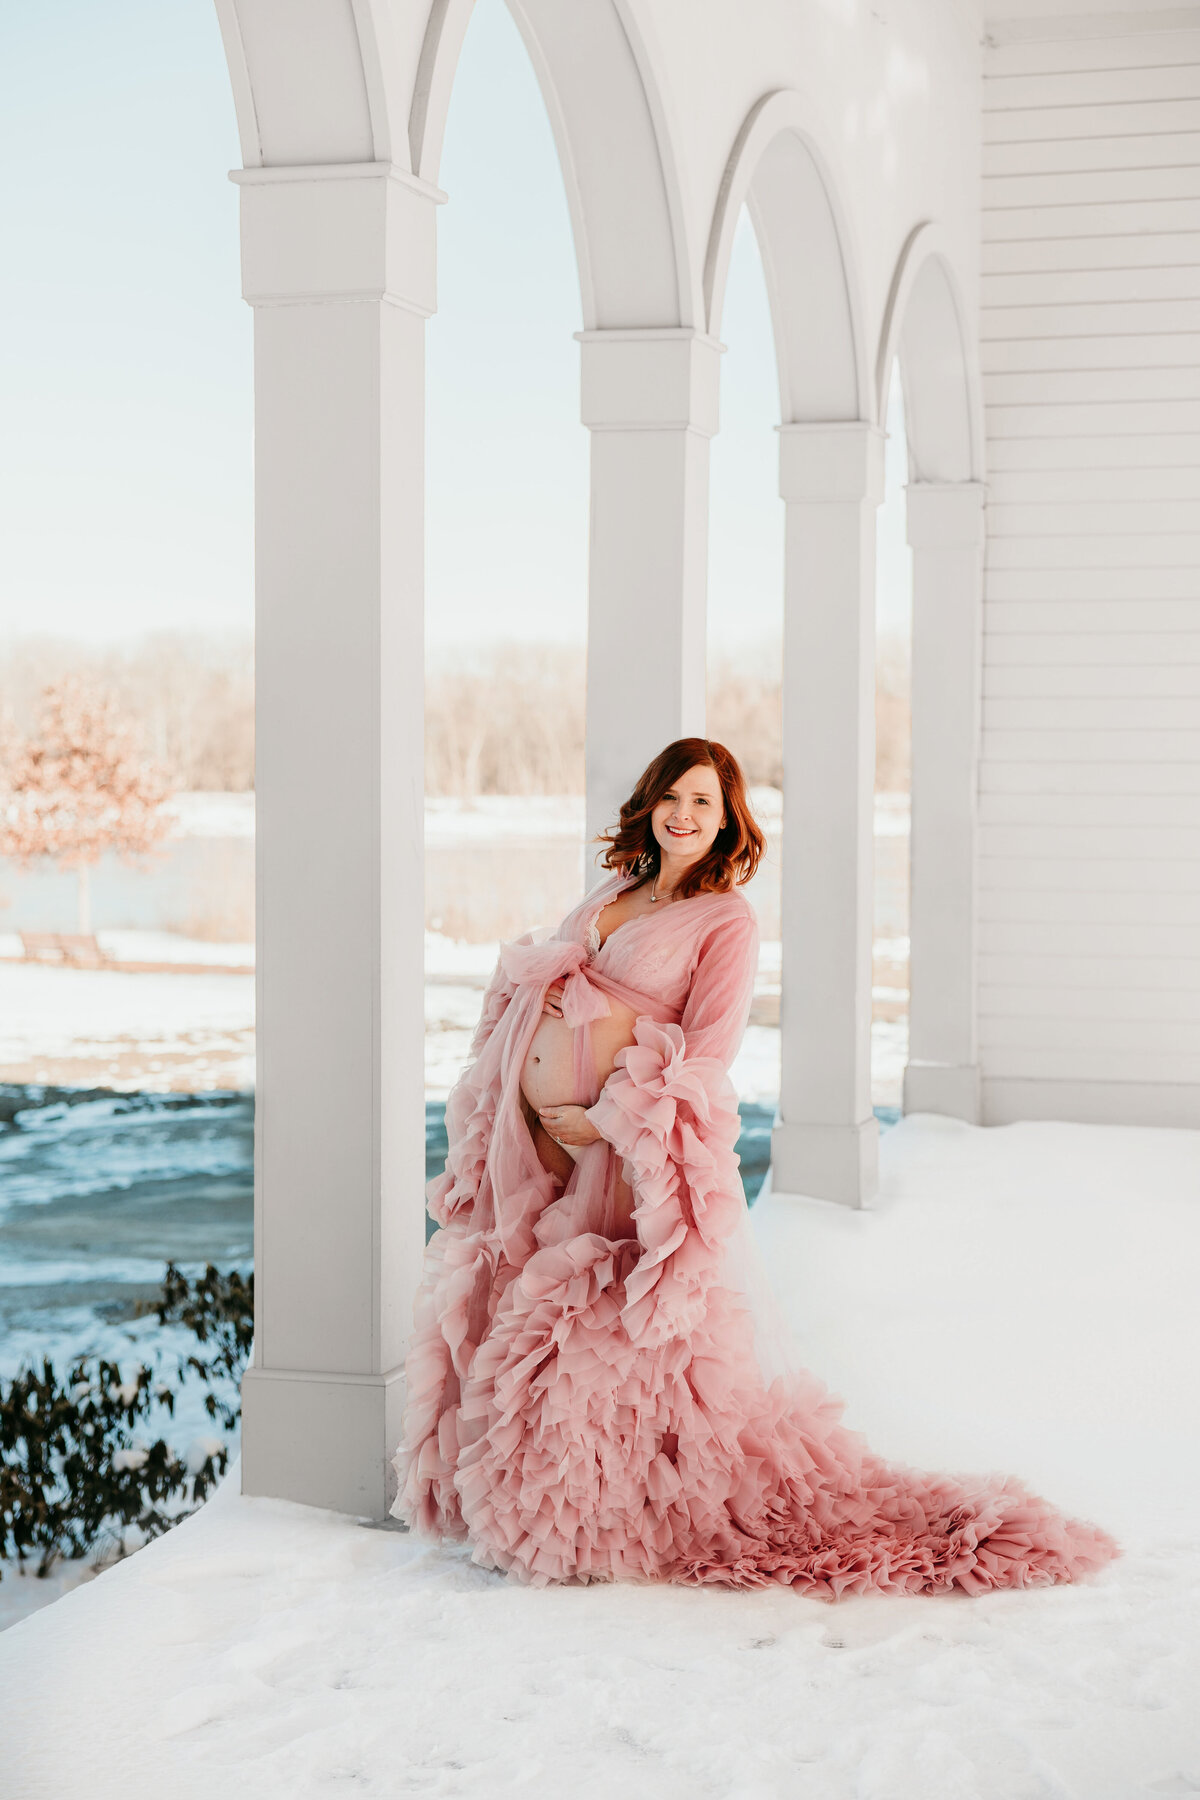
(1089, 802)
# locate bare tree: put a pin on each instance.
(507, 719)
(81, 784)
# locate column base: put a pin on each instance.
(949, 1088)
(826, 1162)
(324, 1440)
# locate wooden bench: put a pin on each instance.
(78, 950)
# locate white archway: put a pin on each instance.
(925, 328)
(778, 169)
(594, 63)
(371, 84)
(649, 371)
(342, 127)
(825, 1141)
(926, 325)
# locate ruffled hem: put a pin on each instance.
(673, 1119)
(914, 1533)
(575, 1453)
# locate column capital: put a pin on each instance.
(657, 379)
(327, 232)
(945, 515)
(841, 460)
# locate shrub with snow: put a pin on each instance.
(76, 1475)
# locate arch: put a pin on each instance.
(595, 62)
(305, 83)
(778, 168)
(357, 81)
(926, 325)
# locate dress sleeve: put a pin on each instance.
(470, 1111)
(670, 1111)
(499, 992)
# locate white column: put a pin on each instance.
(338, 263)
(945, 529)
(826, 1140)
(650, 400)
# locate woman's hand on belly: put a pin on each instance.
(552, 1004)
(569, 1125)
(548, 1074)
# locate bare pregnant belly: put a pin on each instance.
(548, 1074)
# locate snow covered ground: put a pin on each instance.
(193, 1033)
(100, 1027)
(154, 947)
(490, 817)
(213, 815)
(1019, 1298)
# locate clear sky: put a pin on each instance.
(125, 358)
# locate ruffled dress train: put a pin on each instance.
(592, 1400)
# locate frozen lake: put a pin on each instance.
(96, 1195)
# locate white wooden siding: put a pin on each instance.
(1089, 802)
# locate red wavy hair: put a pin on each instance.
(736, 850)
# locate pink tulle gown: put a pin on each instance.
(590, 1400)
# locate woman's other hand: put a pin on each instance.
(552, 1004)
(569, 1125)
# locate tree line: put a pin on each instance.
(502, 719)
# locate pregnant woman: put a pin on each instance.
(598, 1385)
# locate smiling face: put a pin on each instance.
(687, 819)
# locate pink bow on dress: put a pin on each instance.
(537, 965)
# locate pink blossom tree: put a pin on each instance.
(81, 784)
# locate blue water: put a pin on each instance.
(99, 1190)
